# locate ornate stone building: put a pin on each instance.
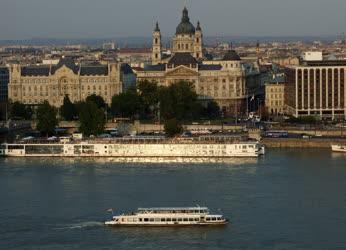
(222, 80)
(34, 84)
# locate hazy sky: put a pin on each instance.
(22, 19)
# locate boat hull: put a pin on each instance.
(168, 150)
(168, 225)
(339, 148)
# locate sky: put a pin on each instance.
(68, 19)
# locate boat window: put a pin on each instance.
(140, 219)
(151, 219)
(157, 219)
(213, 218)
(196, 219)
(190, 219)
(174, 219)
(135, 220)
(163, 219)
(168, 219)
(207, 219)
(244, 146)
(146, 219)
(122, 219)
(186, 219)
(180, 219)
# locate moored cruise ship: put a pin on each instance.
(161, 149)
(175, 216)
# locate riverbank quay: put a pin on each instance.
(301, 142)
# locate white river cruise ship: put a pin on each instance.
(161, 149)
(175, 216)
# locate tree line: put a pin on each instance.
(147, 101)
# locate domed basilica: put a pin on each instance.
(220, 80)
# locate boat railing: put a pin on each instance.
(134, 141)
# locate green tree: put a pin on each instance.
(92, 119)
(68, 109)
(212, 110)
(46, 118)
(149, 93)
(172, 127)
(126, 104)
(19, 110)
(178, 101)
(98, 100)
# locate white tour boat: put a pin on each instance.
(133, 149)
(339, 148)
(175, 216)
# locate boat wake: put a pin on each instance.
(81, 225)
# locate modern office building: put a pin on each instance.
(316, 88)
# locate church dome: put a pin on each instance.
(185, 27)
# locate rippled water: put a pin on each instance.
(288, 199)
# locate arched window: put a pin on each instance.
(156, 41)
(186, 46)
(197, 40)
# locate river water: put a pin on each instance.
(288, 199)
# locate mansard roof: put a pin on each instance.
(68, 62)
(35, 71)
(209, 67)
(99, 70)
(231, 55)
(158, 67)
(46, 70)
(182, 59)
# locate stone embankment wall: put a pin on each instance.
(325, 132)
(301, 143)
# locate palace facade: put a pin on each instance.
(220, 80)
(34, 84)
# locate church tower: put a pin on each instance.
(157, 45)
(198, 54)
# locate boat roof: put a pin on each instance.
(171, 208)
